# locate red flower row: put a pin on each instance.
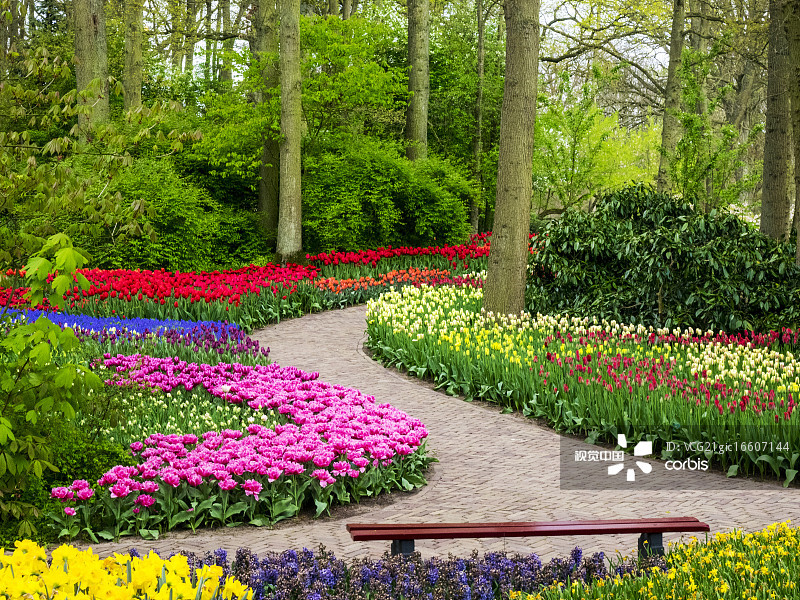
(197, 286)
(477, 247)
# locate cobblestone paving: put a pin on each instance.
(493, 467)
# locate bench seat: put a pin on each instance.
(402, 536)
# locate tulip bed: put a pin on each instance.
(604, 379)
(236, 444)
(730, 566)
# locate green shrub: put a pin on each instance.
(648, 258)
(82, 456)
(367, 196)
(193, 231)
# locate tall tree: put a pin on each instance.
(226, 72)
(177, 16)
(290, 234)
(264, 48)
(670, 128)
(792, 29)
(192, 8)
(504, 291)
(418, 78)
(207, 71)
(775, 203)
(474, 207)
(91, 59)
(132, 74)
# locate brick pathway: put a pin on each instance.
(493, 467)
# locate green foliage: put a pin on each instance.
(580, 151)
(229, 154)
(345, 83)
(648, 258)
(369, 196)
(708, 156)
(454, 82)
(344, 75)
(40, 385)
(193, 231)
(49, 165)
(79, 455)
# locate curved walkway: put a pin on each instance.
(493, 467)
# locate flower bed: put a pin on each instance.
(197, 341)
(471, 256)
(731, 566)
(251, 296)
(345, 292)
(605, 379)
(254, 296)
(27, 573)
(320, 575)
(331, 444)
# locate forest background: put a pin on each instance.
(177, 132)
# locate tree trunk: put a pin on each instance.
(501, 23)
(177, 23)
(215, 64)
(700, 36)
(504, 291)
(670, 131)
(477, 147)
(290, 234)
(418, 79)
(775, 202)
(333, 8)
(91, 60)
(17, 25)
(354, 8)
(4, 43)
(226, 72)
(792, 30)
(31, 16)
(347, 7)
(132, 78)
(265, 42)
(192, 6)
(207, 29)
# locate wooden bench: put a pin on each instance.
(403, 535)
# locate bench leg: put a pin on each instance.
(405, 547)
(651, 543)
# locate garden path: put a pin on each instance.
(493, 467)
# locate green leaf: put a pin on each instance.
(733, 470)
(770, 460)
(67, 260)
(148, 534)
(41, 353)
(790, 475)
(235, 509)
(65, 376)
(38, 266)
(181, 517)
(284, 508)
